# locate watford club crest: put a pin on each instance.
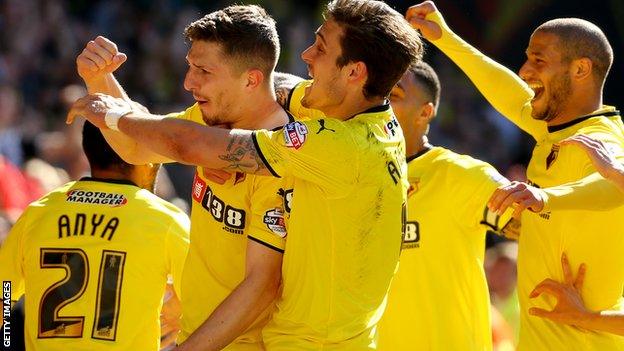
(554, 152)
(413, 188)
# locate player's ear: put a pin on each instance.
(255, 78)
(357, 71)
(581, 68)
(427, 112)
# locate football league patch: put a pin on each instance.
(274, 220)
(295, 134)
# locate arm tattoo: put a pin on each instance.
(241, 154)
(283, 84)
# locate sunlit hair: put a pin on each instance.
(378, 36)
(246, 33)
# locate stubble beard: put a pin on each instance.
(560, 92)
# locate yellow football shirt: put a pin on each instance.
(92, 258)
(439, 298)
(223, 218)
(593, 237)
(344, 233)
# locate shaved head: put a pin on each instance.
(579, 38)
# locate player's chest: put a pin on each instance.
(552, 165)
(221, 206)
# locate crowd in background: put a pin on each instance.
(40, 39)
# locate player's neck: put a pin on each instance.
(416, 144)
(577, 106)
(352, 105)
(112, 175)
(261, 112)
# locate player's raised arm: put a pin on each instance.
(180, 140)
(96, 64)
(499, 85)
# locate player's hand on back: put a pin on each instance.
(416, 17)
(519, 195)
(99, 57)
(570, 308)
(94, 107)
(598, 153)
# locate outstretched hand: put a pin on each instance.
(602, 159)
(416, 17)
(520, 195)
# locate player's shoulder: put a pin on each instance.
(606, 120)
(191, 113)
(456, 160)
(52, 200)
(160, 206)
(55, 195)
(464, 166)
(294, 103)
(296, 94)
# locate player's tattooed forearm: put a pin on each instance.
(241, 154)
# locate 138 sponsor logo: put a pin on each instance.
(233, 218)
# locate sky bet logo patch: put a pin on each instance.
(295, 134)
(274, 219)
(96, 198)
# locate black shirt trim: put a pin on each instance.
(105, 180)
(290, 94)
(380, 108)
(552, 129)
(419, 153)
(264, 160)
(265, 244)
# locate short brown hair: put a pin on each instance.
(582, 39)
(245, 32)
(380, 37)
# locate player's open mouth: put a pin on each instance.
(538, 90)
